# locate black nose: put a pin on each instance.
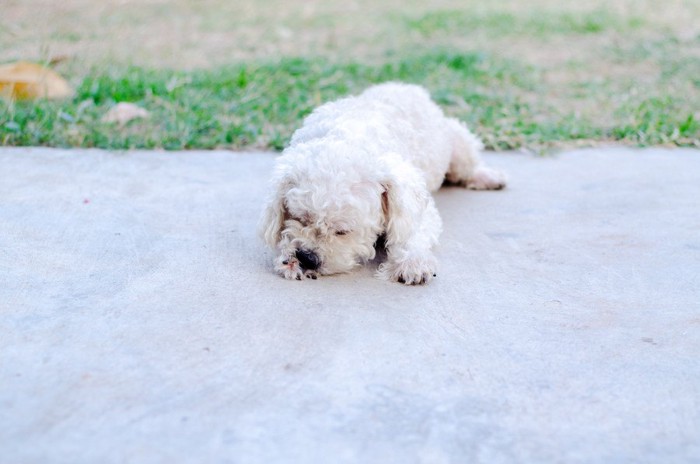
(307, 259)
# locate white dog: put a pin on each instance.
(360, 169)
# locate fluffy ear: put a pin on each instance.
(275, 211)
(405, 201)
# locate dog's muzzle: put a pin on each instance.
(308, 259)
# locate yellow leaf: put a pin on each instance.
(27, 81)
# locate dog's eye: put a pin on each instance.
(341, 232)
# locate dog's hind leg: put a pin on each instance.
(466, 168)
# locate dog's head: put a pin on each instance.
(326, 212)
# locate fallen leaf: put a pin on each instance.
(28, 81)
(124, 112)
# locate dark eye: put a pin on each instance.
(341, 232)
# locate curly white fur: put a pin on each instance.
(363, 167)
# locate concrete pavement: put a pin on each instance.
(140, 320)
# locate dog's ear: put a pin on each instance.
(404, 200)
(275, 211)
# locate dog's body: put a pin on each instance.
(363, 167)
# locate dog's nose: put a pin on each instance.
(307, 259)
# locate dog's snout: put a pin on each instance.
(308, 259)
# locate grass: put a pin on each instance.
(540, 76)
(254, 105)
(259, 105)
(540, 24)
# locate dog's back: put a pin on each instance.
(391, 117)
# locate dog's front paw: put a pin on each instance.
(412, 270)
(485, 178)
(288, 267)
(309, 274)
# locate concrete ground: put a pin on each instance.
(140, 320)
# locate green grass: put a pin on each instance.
(216, 74)
(258, 105)
(542, 24)
(659, 121)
